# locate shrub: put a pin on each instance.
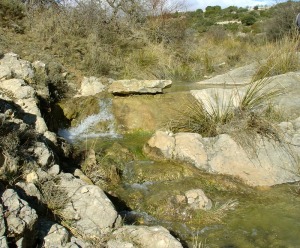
(282, 59)
(282, 22)
(11, 10)
(248, 19)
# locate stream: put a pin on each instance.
(147, 192)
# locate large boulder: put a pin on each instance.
(134, 86)
(88, 208)
(272, 164)
(186, 147)
(239, 76)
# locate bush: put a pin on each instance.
(282, 22)
(11, 11)
(248, 19)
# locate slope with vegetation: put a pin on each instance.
(122, 39)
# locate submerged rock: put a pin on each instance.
(197, 199)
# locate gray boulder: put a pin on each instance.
(21, 69)
(90, 210)
(239, 76)
(134, 86)
(21, 218)
(44, 155)
(3, 240)
(5, 72)
(181, 146)
(53, 234)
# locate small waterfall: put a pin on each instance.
(104, 121)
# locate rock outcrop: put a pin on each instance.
(272, 163)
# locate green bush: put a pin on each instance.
(248, 19)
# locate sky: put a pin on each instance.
(202, 4)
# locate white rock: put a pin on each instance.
(189, 147)
(146, 237)
(18, 88)
(160, 144)
(91, 86)
(5, 72)
(135, 86)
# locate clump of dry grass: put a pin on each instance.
(254, 114)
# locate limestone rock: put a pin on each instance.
(21, 219)
(31, 177)
(144, 237)
(53, 234)
(2, 223)
(91, 86)
(198, 200)
(54, 170)
(218, 100)
(17, 88)
(134, 86)
(30, 189)
(238, 76)
(161, 144)
(189, 147)
(5, 72)
(21, 69)
(119, 244)
(33, 115)
(89, 208)
(273, 164)
(44, 154)
(182, 146)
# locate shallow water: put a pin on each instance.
(268, 217)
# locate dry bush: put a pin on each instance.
(282, 58)
(14, 144)
(282, 22)
(53, 195)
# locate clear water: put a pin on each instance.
(86, 129)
